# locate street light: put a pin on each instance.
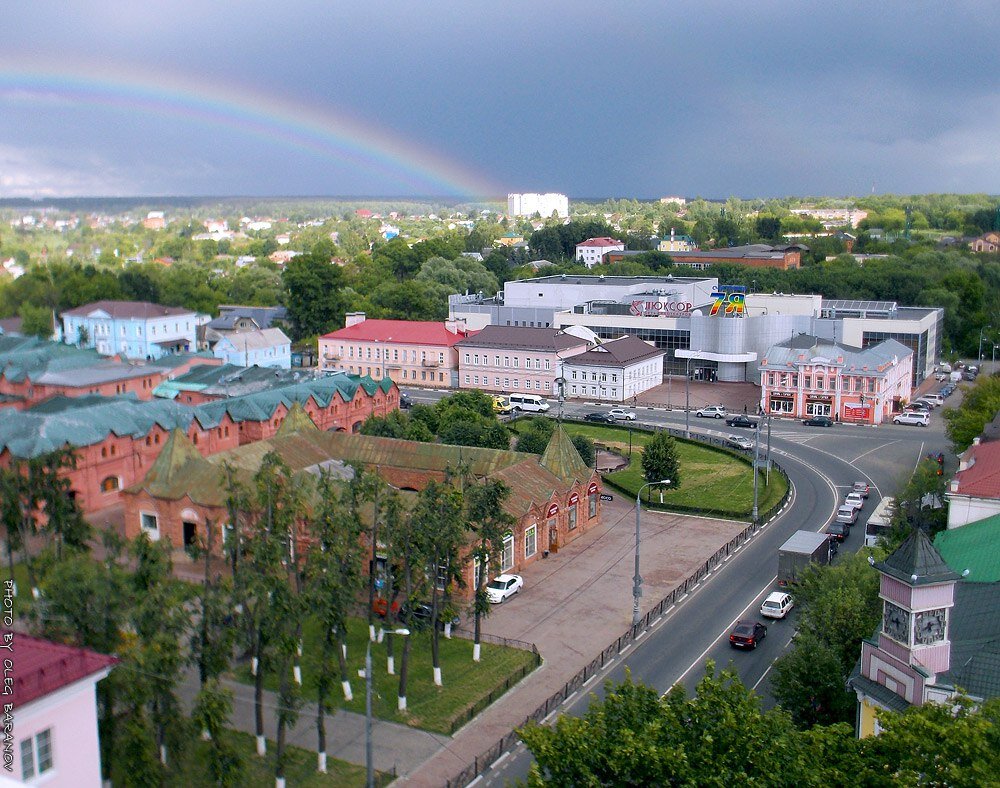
(369, 759)
(983, 329)
(637, 579)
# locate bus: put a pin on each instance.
(880, 521)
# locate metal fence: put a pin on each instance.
(481, 762)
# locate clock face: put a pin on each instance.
(929, 626)
(896, 623)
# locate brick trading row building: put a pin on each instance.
(554, 498)
(117, 439)
(32, 370)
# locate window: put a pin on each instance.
(516, 383)
(442, 577)
(496, 382)
(506, 383)
(548, 386)
(572, 518)
(506, 361)
(475, 359)
(507, 557)
(530, 541)
(475, 573)
(548, 364)
(36, 754)
(517, 362)
(476, 380)
(538, 385)
(148, 522)
(592, 505)
(110, 484)
(574, 374)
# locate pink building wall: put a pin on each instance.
(527, 371)
(71, 714)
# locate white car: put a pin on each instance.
(503, 586)
(854, 499)
(777, 605)
(711, 412)
(621, 414)
(934, 399)
(913, 418)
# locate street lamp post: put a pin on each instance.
(981, 331)
(637, 578)
(687, 398)
(369, 757)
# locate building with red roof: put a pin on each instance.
(50, 704)
(974, 492)
(408, 352)
(591, 252)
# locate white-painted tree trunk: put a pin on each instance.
(261, 746)
(402, 703)
(163, 754)
(348, 695)
(390, 666)
(299, 648)
(36, 593)
(371, 632)
(475, 652)
(205, 735)
(437, 677)
(253, 666)
(447, 630)
(297, 672)
(279, 782)
(381, 636)
(321, 766)
(343, 647)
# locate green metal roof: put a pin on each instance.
(976, 547)
(84, 421)
(562, 458)
(916, 562)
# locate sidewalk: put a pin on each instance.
(396, 747)
(574, 604)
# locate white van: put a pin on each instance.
(880, 523)
(529, 403)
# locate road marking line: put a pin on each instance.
(478, 779)
(873, 450)
(589, 680)
(500, 760)
(571, 696)
(625, 649)
(762, 677)
(723, 632)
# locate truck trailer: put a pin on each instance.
(802, 549)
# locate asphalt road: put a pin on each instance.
(822, 463)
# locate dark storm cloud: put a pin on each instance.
(626, 99)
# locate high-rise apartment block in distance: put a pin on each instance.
(542, 204)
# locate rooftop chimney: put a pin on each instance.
(353, 318)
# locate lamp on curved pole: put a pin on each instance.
(637, 578)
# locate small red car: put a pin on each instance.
(747, 634)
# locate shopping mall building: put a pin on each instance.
(710, 331)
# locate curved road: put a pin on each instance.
(677, 646)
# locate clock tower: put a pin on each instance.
(912, 647)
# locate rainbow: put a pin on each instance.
(336, 136)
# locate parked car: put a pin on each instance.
(741, 421)
(968, 375)
(861, 488)
(818, 421)
(939, 376)
(502, 587)
(838, 531)
(739, 442)
(777, 605)
(847, 514)
(711, 412)
(421, 614)
(935, 399)
(622, 414)
(912, 418)
(603, 418)
(747, 634)
(926, 401)
(921, 407)
(854, 499)
(501, 405)
(404, 401)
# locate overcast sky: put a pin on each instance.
(593, 99)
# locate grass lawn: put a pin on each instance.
(715, 481)
(466, 683)
(191, 769)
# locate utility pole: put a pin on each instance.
(756, 461)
